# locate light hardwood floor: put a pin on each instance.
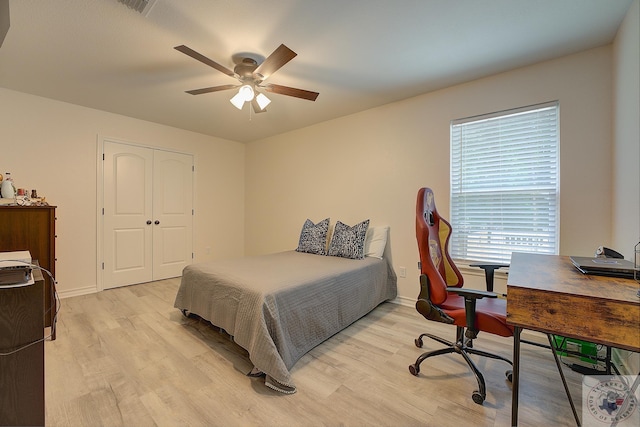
(126, 357)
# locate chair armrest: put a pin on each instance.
(489, 270)
(470, 297)
(472, 293)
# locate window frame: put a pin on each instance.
(497, 244)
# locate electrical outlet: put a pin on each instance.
(402, 271)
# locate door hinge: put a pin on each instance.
(103, 157)
(192, 256)
(103, 265)
(193, 212)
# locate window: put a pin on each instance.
(504, 184)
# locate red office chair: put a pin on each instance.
(443, 299)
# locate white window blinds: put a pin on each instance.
(504, 184)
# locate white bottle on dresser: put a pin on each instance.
(7, 189)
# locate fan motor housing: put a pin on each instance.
(246, 68)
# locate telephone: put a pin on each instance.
(603, 252)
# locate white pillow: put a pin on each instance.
(375, 241)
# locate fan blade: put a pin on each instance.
(195, 55)
(275, 61)
(256, 107)
(211, 89)
(290, 91)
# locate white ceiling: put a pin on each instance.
(357, 54)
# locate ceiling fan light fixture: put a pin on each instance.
(247, 92)
(262, 101)
(238, 100)
(251, 76)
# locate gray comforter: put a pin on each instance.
(279, 306)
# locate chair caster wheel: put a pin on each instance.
(477, 397)
(415, 370)
(509, 375)
(418, 342)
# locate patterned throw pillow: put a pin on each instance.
(348, 242)
(313, 237)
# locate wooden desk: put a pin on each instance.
(22, 373)
(548, 294)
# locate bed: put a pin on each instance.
(281, 305)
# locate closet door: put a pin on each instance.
(127, 219)
(172, 213)
(148, 215)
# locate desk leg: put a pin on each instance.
(564, 380)
(515, 380)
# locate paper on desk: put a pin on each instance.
(13, 259)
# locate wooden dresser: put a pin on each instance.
(33, 229)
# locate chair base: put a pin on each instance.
(463, 347)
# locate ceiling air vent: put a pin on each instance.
(142, 6)
(4, 19)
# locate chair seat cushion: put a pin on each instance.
(490, 314)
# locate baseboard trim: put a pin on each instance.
(405, 301)
(77, 292)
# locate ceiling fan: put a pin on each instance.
(251, 77)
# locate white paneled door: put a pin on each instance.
(147, 220)
(172, 213)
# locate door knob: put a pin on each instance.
(156, 222)
(148, 222)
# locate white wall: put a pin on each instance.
(626, 134)
(52, 146)
(371, 164)
(626, 151)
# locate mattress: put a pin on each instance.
(279, 306)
